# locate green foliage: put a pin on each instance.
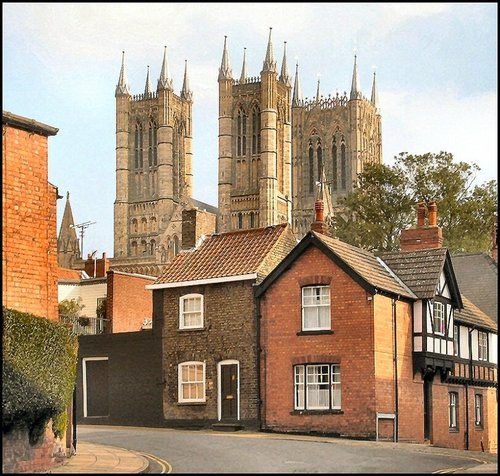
(385, 199)
(101, 309)
(38, 371)
(71, 308)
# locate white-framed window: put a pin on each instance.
(316, 308)
(478, 410)
(453, 410)
(191, 311)
(456, 340)
(482, 345)
(439, 318)
(191, 378)
(317, 387)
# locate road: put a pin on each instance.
(188, 451)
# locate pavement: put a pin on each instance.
(92, 458)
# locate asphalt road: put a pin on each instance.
(188, 451)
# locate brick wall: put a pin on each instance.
(128, 301)
(29, 222)
(19, 456)
(196, 223)
(229, 334)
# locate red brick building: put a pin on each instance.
(29, 218)
(377, 347)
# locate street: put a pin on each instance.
(206, 451)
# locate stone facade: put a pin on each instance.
(29, 214)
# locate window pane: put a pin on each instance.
(299, 387)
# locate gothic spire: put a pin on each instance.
(147, 88)
(284, 76)
(297, 91)
(355, 89)
(244, 72)
(317, 92)
(269, 62)
(122, 86)
(67, 242)
(165, 82)
(186, 93)
(225, 69)
(375, 93)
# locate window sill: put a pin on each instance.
(478, 428)
(192, 329)
(453, 430)
(183, 404)
(317, 412)
(315, 333)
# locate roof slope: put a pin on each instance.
(235, 253)
(367, 266)
(419, 270)
(477, 276)
(471, 314)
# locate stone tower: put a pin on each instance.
(68, 246)
(254, 145)
(153, 171)
(333, 137)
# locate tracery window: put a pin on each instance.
(343, 165)
(334, 164)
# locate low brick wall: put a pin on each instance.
(19, 456)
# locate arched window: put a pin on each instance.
(319, 153)
(343, 165)
(155, 144)
(255, 130)
(144, 224)
(153, 223)
(144, 246)
(139, 147)
(134, 248)
(152, 247)
(311, 168)
(334, 164)
(136, 146)
(176, 245)
(252, 220)
(240, 220)
(150, 145)
(134, 225)
(242, 132)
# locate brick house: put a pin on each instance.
(29, 216)
(377, 347)
(205, 309)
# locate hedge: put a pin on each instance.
(38, 373)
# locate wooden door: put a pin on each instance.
(229, 392)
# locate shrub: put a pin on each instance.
(38, 372)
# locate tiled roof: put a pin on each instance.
(366, 265)
(471, 314)
(477, 276)
(226, 254)
(419, 269)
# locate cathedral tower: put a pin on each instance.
(333, 137)
(254, 145)
(68, 246)
(153, 168)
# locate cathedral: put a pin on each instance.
(275, 150)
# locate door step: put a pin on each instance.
(227, 427)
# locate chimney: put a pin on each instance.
(195, 224)
(423, 236)
(319, 225)
(96, 268)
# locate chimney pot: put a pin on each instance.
(432, 214)
(421, 214)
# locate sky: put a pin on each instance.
(436, 66)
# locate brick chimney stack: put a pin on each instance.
(319, 224)
(96, 268)
(423, 236)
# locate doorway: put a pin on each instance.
(229, 390)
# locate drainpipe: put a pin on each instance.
(467, 390)
(396, 400)
(257, 358)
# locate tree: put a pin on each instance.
(384, 201)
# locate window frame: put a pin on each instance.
(327, 305)
(442, 318)
(453, 411)
(456, 340)
(482, 346)
(181, 382)
(182, 312)
(478, 410)
(304, 386)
